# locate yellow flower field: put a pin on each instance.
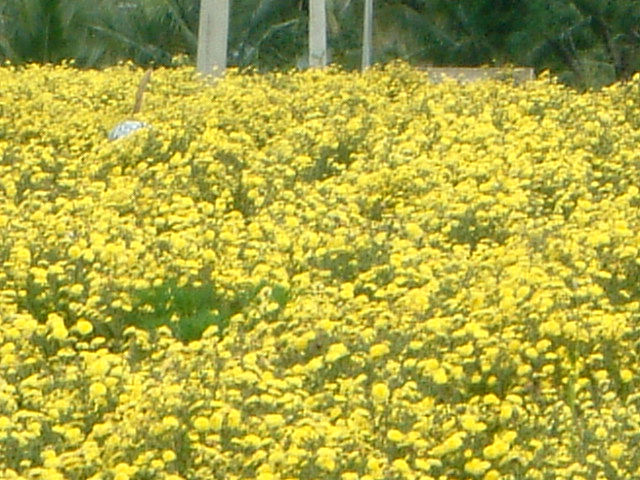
(340, 276)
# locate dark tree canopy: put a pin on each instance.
(587, 43)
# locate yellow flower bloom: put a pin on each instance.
(57, 326)
(492, 475)
(97, 367)
(59, 333)
(380, 392)
(84, 327)
(476, 467)
(168, 456)
(76, 290)
(274, 420)
(471, 424)
(395, 436)
(491, 399)
(97, 390)
(346, 291)
(453, 443)
(616, 450)
(374, 466)
(336, 352)
(422, 464)
(401, 466)
(234, 418)
(349, 476)
(414, 231)
(266, 476)
(626, 375)
(378, 350)
(326, 459)
(209, 255)
(497, 449)
(550, 328)
(170, 422)
(74, 252)
(440, 376)
(201, 424)
(506, 411)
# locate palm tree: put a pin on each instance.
(213, 37)
(367, 34)
(591, 43)
(47, 31)
(585, 42)
(317, 33)
(147, 31)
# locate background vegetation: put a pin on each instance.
(587, 43)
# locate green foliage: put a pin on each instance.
(267, 34)
(96, 33)
(150, 31)
(48, 30)
(188, 310)
(586, 43)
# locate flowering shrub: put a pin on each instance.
(350, 276)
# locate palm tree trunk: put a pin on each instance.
(317, 33)
(367, 34)
(213, 36)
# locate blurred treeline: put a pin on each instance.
(586, 43)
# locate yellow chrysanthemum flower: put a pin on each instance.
(380, 392)
(201, 424)
(476, 467)
(336, 352)
(378, 350)
(84, 327)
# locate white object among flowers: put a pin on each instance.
(125, 128)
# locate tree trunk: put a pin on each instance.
(317, 33)
(367, 34)
(212, 37)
